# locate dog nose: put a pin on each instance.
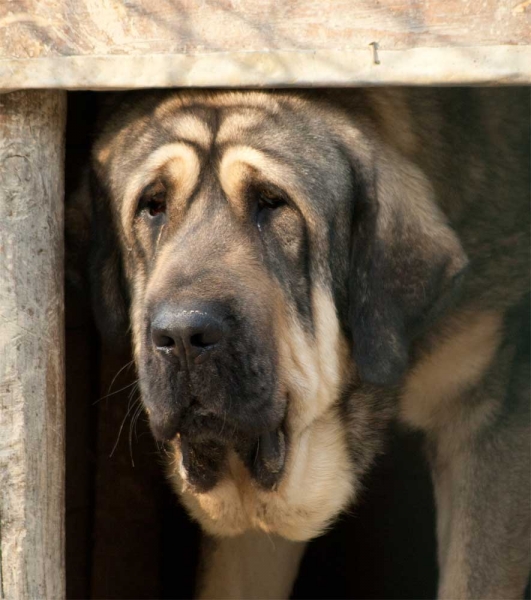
(187, 333)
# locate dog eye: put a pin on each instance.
(153, 201)
(270, 199)
(156, 205)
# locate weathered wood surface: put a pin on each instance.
(106, 44)
(31, 345)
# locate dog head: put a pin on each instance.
(270, 251)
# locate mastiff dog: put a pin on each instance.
(297, 269)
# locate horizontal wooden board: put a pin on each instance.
(111, 44)
(503, 65)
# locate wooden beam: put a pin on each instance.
(31, 345)
(96, 44)
(502, 65)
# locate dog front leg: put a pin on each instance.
(482, 489)
(252, 565)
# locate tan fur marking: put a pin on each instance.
(240, 163)
(251, 566)
(102, 153)
(237, 123)
(455, 364)
(313, 369)
(193, 129)
(182, 164)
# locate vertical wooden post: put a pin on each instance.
(31, 345)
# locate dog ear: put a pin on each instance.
(107, 278)
(406, 263)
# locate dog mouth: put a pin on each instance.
(205, 453)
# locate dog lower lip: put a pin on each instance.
(269, 458)
(203, 462)
(205, 452)
(272, 449)
(165, 429)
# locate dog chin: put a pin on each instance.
(205, 454)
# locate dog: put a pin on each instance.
(300, 268)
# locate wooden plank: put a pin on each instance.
(504, 65)
(111, 44)
(31, 345)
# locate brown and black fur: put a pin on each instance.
(364, 255)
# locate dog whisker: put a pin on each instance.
(116, 392)
(129, 409)
(132, 425)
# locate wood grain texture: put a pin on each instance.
(31, 345)
(92, 44)
(38, 28)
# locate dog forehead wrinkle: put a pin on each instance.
(192, 128)
(256, 159)
(240, 120)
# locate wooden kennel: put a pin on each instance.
(50, 46)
